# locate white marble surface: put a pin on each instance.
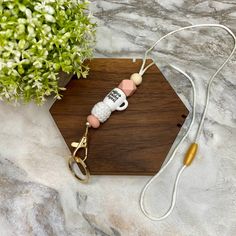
(38, 194)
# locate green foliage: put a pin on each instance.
(38, 39)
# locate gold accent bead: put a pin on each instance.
(190, 154)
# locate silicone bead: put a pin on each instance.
(137, 78)
(115, 100)
(128, 87)
(93, 121)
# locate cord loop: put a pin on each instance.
(193, 148)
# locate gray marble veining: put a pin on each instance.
(38, 194)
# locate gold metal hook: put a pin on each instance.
(80, 162)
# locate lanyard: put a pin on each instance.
(116, 100)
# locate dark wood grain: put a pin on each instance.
(135, 141)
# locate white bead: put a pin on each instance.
(137, 78)
(115, 99)
(101, 111)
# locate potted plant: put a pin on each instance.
(37, 40)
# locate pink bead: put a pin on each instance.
(93, 121)
(127, 86)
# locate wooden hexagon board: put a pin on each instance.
(135, 141)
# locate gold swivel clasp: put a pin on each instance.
(77, 160)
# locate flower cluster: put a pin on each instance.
(38, 39)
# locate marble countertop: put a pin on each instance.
(39, 196)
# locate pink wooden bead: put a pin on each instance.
(127, 86)
(93, 121)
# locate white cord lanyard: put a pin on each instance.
(193, 148)
(116, 100)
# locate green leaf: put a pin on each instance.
(21, 44)
(22, 7)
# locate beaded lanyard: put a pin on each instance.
(116, 100)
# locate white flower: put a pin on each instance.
(50, 10)
(30, 30)
(9, 64)
(46, 29)
(49, 18)
(37, 64)
(37, 84)
(44, 8)
(28, 13)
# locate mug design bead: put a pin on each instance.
(115, 99)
